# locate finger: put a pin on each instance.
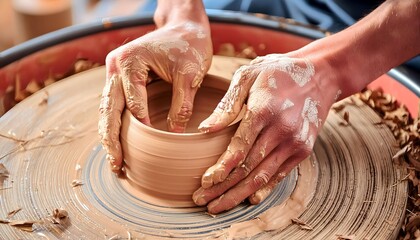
(253, 182)
(110, 110)
(134, 82)
(203, 196)
(282, 172)
(231, 104)
(238, 149)
(183, 94)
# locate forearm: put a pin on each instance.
(358, 55)
(178, 11)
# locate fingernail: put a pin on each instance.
(207, 180)
(200, 201)
(219, 174)
(176, 127)
(259, 196)
(207, 124)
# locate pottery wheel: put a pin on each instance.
(50, 139)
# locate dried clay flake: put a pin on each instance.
(23, 225)
(59, 215)
(345, 237)
(13, 212)
(76, 183)
(4, 173)
(303, 225)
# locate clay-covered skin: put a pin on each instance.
(179, 52)
(277, 132)
(289, 97)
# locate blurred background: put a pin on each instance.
(21, 20)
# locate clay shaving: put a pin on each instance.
(345, 237)
(76, 183)
(243, 50)
(20, 92)
(13, 213)
(406, 130)
(23, 225)
(301, 224)
(3, 171)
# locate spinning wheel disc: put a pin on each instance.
(349, 186)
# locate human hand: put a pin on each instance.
(286, 108)
(177, 53)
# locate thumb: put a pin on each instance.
(231, 104)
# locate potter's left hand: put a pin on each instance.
(285, 111)
(179, 51)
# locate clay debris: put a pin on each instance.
(243, 50)
(406, 131)
(76, 183)
(13, 213)
(59, 216)
(303, 225)
(4, 173)
(19, 92)
(345, 237)
(23, 225)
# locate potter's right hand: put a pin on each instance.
(179, 52)
(287, 102)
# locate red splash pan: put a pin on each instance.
(55, 53)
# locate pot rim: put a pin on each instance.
(215, 81)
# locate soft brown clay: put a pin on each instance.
(357, 180)
(167, 166)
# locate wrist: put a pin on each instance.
(327, 77)
(171, 12)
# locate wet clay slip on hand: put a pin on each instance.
(166, 167)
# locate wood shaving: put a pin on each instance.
(13, 212)
(303, 225)
(76, 183)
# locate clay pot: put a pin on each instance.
(166, 166)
